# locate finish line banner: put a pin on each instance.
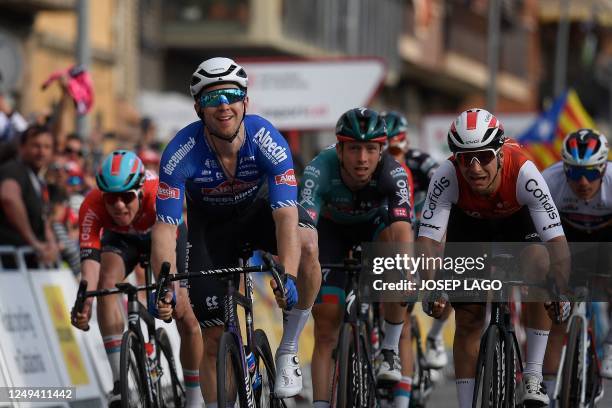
(483, 271)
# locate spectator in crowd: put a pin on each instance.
(61, 224)
(24, 197)
(11, 124)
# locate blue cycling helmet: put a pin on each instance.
(121, 171)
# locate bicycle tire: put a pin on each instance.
(569, 394)
(510, 355)
(489, 372)
(133, 379)
(230, 377)
(264, 396)
(170, 392)
(367, 385)
(345, 387)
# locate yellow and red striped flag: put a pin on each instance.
(544, 137)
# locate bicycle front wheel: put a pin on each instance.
(490, 371)
(134, 378)
(571, 378)
(347, 373)
(171, 393)
(264, 394)
(230, 375)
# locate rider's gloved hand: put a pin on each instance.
(80, 320)
(434, 303)
(163, 310)
(290, 297)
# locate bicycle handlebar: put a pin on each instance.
(276, 269)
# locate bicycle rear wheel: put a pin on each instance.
(490, 371)
(170, 392)
(134, 378)
(346, 375)
(571, 378)
(230, 375)
(264, 395)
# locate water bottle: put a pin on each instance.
(255, 376)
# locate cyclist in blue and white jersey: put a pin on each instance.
(222, 164)
(581, 187)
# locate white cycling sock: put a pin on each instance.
(193, 394)
(112, 346)
(465, 391)
(436, 329)
(402, 392)
(293, 324)
(320, 404)
(536, 348)
(393, 331)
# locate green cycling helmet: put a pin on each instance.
(361, 125)
(396, 123)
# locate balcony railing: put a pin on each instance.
(353, 27)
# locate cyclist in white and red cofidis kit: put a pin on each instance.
(489, 191)
(115, 222)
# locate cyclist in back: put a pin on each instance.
(489, 191)
(115, 222)
(581, 186)
(355, 193)
(420, 167)
(221, 164)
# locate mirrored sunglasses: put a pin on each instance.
(483, 157)
(215, 98)
(126, 197)
(591, 173)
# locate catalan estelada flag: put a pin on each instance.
(544, 137)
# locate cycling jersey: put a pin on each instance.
(521, 185)
(93, 218)
(422, 167)
(583, 215)
(189, 167)
(323, 193)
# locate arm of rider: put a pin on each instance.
(16, 213)
(560, 261)
(286, 222)
(560, 266)
(430, 248)
(90, 271)
(163, 249)
(401, 231)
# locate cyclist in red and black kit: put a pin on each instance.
(115, 223)
(489, 191)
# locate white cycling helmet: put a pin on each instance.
(585, 147)
(215, 71)
(475, 129)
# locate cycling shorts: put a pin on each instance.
(335, 242)
(132, 248)
(518, 227)
(214, 243)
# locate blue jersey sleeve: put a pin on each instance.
(274, 157)
(174, 169)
